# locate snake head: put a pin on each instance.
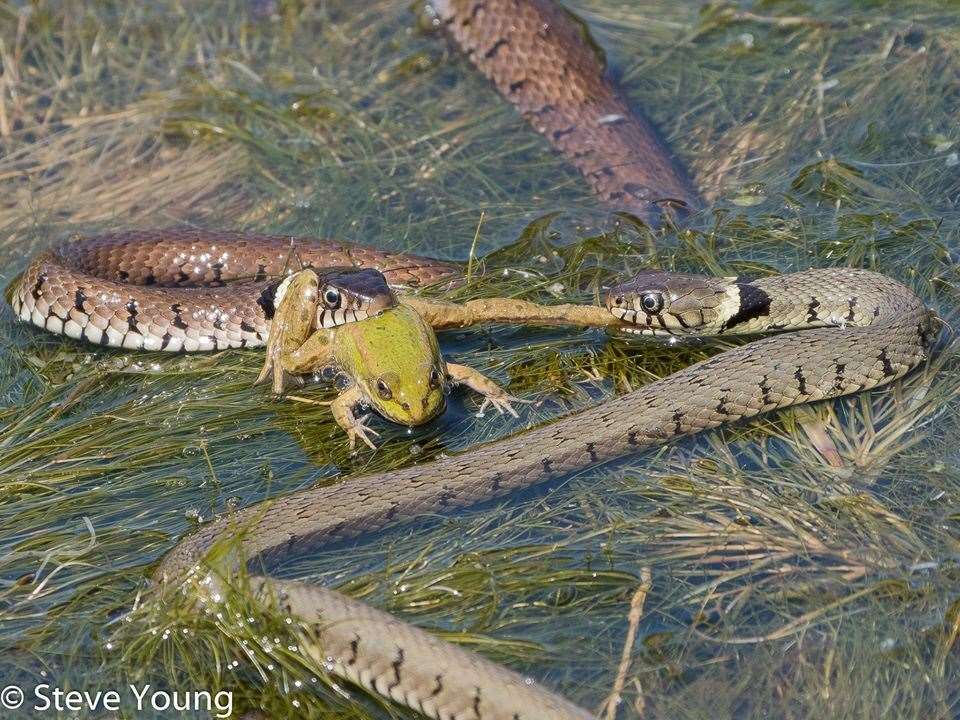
(337, 296)
(350, 295)
(655, 302)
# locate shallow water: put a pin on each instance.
(779, 585)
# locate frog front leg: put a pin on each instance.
(492, 393)
(355, 427)
(342, 409)
(290, 329)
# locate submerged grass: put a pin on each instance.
(804, 565)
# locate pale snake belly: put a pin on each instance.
(878, 331)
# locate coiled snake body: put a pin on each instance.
(182, 289)
(860, 330)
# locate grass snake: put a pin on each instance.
(171, 290)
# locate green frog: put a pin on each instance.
(351, 321)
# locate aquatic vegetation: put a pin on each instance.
(805, 564)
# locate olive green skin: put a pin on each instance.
(398, 351)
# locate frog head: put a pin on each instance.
(395, 362)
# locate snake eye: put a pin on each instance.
(652, 302)
(435, 378)
(331, 297)
(384, 390)
(618, 300)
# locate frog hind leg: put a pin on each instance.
(492, 393)
(292, 325)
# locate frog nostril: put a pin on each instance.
(405, 406)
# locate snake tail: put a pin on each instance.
(402, 662)
(541, 59)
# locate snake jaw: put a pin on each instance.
(346, 296)
(328, 319)
(648, 331)
(672, 303)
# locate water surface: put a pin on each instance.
(779, 584)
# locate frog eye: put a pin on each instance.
(331, 297)
(436, 378)
(383, 390)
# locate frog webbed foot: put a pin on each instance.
(501, 403)
(360, 430)
(355, 427)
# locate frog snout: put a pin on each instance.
(421, 403)
(414, 402)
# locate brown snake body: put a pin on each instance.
(165, 289)
(541, 59)
(182, 289)
(860, 330)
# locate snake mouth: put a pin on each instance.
(659, 334)
(332, 318)
(633, 326)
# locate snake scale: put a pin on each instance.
(540, 58)
(861, 330)
(183, 289)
